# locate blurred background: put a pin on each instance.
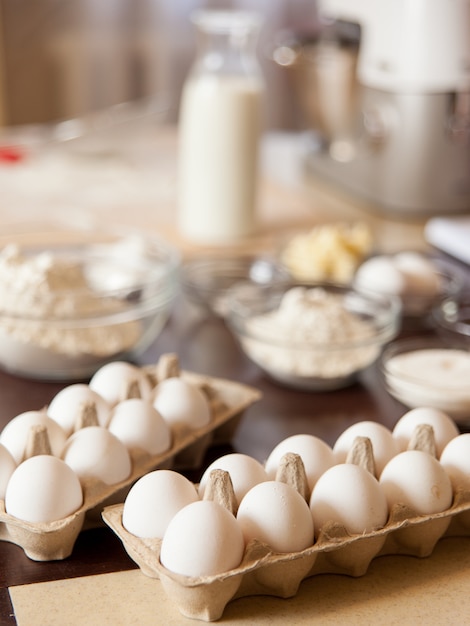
(63, 58)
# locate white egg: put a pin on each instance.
(94, 452)
(154, 500)
(276, 514)
(419, 273)
(7, 467)
(43, 489)
(316, 455)
(245, 472)
(182, 403)
(349, 495)
(380, 274)
(140, 426)
(455, 459)
(384, 446)
(417, 480)
(16, 433)
(113, 380)
(443, 426)
(203, 539)
(67, 405)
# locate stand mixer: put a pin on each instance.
(407, 146)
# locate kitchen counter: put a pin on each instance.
(396, 589)
(132, 180)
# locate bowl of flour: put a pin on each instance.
(72, 299)
(313, 337)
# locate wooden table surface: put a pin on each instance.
(205, 346)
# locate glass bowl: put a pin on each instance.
(313, 337)
(451, 318)
(210, 282)
(73, 298)
(421, 280)
(429, 372)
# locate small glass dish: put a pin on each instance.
(313, 337)
(451, 318)
(75, 297)
(210, 282)
(429, 372)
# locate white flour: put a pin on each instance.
(44, 287)
(313, 325)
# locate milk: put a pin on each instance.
(220, 122)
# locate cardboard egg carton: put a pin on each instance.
(263, 572)
(55, 540)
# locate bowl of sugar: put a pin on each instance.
(315, 337)
(429, 372)
(75, 297)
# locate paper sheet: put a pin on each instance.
(450, 234)
(396, 590)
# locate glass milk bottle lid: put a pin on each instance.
(227, 41)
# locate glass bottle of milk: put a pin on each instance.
(219, 129)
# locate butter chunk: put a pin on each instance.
(329, 252)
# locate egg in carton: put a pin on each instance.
(263, 571)
(53, 540)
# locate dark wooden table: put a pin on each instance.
(204, 346)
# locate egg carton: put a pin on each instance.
(264, 572)
(55, 540)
